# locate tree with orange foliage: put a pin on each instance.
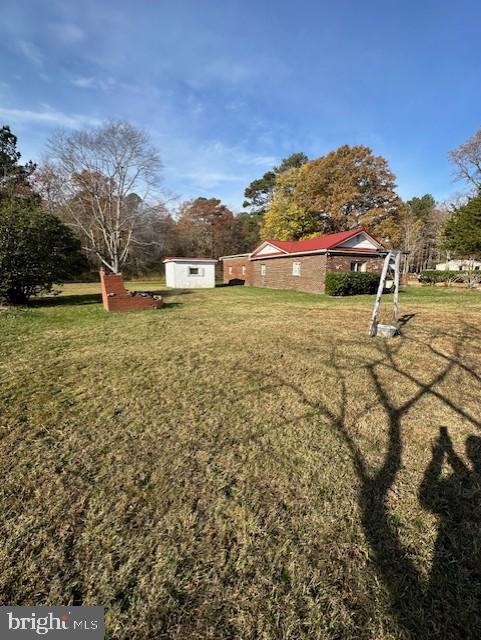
(206, 227)
(346, 188)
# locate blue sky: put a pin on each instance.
(229, 87)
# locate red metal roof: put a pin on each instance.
(320, 243)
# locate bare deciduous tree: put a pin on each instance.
(467, 158)
(102, 179)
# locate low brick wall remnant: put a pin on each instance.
(115, 296)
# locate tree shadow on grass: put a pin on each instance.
(448, 604)
(235, 282)
(171, 305)
(165, 293)
(404, 319)
(454, 587)
(65, 300)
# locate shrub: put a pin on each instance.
(36, 251)
(350, 283)
(432, 276)
(470, 278)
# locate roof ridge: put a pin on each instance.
(321, 242)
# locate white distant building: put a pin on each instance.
(190, 273)
(459, 265)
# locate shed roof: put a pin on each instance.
(188, 259)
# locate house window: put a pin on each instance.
(263, 269)
(243, 270)
(358, 266)
(196, 271)
(296, 268)
(230, 270)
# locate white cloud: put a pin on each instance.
(257, 160)
(211, 168)
(84, 83)
(238, 155)
(31, 52)
(91, 82)
(201, 74)
(206, 178)
(198, 109)
(236, 105)
(48, 117)
(230, 72)
(67, 34)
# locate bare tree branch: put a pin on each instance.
(467, 159)
(101, 178)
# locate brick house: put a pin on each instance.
(237, 269)
(303, 264)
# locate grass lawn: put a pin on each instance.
(245, 463)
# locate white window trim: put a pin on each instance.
(263, 269)
(200, 273)
(360, 266)
(296, 269)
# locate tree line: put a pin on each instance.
(97, 202)
(351, 187)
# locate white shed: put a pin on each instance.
(190, 273)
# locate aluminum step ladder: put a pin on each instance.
(391, 270)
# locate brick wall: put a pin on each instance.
(278, 273)
(115, 296)
(232, 270)
(343, 263)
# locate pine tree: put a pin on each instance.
(462, 233)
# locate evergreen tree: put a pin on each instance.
(259, 193)
(14, 177)
(462, 232)
(36, 251)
